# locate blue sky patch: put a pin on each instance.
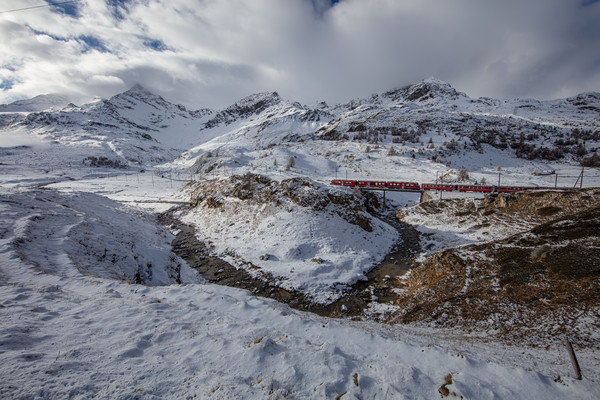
(66, 8)
(92, 43)
(6, 85)
(118, 8)
(155, 44)
(54, 37)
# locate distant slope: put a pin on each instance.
(134, 128)
(38, 103)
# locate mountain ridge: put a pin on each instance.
(139, 127)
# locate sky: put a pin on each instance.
(211, 53)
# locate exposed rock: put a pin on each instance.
(258, 189)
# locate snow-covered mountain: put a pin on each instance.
(38, 103)
(440, 120)
(131, 128)
(430, 119)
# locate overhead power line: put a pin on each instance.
(42, 6)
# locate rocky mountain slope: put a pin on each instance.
(441, 122)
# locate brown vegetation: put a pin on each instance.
(535, 286)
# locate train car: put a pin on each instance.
(377, 184)
(509, 189)
(395, 185)
(475, 188)
(411, 186)
(440, 186)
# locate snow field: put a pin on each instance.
(84, 234)
(68, 334)
(91, 337)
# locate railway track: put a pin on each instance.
(417, 187)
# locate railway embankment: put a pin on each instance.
(378, 289)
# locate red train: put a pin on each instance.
(414, 186)
(378, 184)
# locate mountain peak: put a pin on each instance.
(432, 80)
(431, 88)
(427, 89)
(138, 89)
(244, 108)
(137, 94)
(265, 99)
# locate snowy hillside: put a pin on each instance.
(42, 102)
(308, 239)
(130, 129)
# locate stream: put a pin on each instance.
(379, 286)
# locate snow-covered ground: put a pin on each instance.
(69, 332)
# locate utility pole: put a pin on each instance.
(579, 180)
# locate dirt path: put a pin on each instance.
(382, 279)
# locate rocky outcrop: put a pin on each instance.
(257, 189)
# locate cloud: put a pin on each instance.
(213, 52)
(9, 140)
